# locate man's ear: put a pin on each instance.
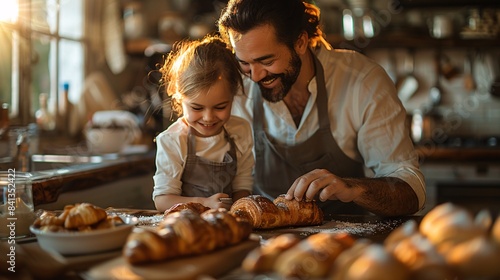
(302, 43)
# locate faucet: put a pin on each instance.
(22, 160)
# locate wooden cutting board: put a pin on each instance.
(213, 264)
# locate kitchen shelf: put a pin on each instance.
(458, 155)
(400, 40)
(446, 3)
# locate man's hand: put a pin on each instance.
(385, 196)
(324, 185)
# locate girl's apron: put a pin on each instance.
(202, 177)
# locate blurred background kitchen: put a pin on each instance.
(63, 60)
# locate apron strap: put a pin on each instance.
(191, 142)
(321, 99)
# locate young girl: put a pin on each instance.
(205, 156)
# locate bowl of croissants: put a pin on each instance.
(82, 228)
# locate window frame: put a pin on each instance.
(22, 109)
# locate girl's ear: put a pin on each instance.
(302, 43)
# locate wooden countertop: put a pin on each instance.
(106, 263)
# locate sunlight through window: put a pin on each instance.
(9, 11)
(42, 48)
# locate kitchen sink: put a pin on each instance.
(41, 162)
(62, 179)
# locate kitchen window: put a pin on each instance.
(42, 47)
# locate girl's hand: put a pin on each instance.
(219, 200)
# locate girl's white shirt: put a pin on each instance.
(172, 145)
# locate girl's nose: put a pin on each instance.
(208, 115)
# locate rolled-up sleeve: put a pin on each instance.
(169, 165)
(383, 136)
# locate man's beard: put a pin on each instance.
(287, 80)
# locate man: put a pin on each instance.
(321, 117)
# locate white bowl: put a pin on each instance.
(79, 243)
(108, 140)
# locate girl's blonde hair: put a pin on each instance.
(193, 66)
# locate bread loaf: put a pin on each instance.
(185, 233)
(263, 213)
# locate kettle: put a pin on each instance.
(423, 126)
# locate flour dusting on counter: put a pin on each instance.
(363, 229)
(149, 221)
(368, 229)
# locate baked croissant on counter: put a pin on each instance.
(292, 257)
(263, 213)
(185, 233)
(83, 214)
(263, 258)
(196, 207)
(77, 217)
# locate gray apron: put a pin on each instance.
(277, 166)
(202, 177)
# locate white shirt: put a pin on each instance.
(172, 146)
(367, 119)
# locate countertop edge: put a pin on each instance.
(47, 190)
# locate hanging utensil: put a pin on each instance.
(483, 73)
(469, 83)
(495, 85)
(447, 68)
(435, 93)
(392, 70)
(408, 85)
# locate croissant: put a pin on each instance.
(83, 215)
(229, 230)
(78, 217)
(196, 207)
(146, 245)
(313, 256)
(263, 213)
(50, 219)
(185, 233)
(262, 259)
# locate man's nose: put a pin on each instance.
(257, 73)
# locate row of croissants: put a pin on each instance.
(448, 243)
(193, 229)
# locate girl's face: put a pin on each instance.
(209, 110)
